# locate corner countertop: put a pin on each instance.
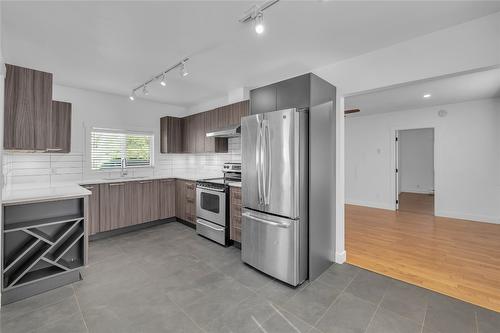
(19, 195)
(184, 176)
(235, 184)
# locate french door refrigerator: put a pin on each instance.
(275, 193)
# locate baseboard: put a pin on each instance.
(115, 232)
(473, 218)
(379, 205)
(340, 257)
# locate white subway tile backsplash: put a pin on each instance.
(25, 168)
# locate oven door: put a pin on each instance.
(211, 205)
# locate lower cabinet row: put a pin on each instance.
(122, 204)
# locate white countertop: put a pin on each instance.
(185, 176)
(17, 195)
(235, 184)
(47, 192)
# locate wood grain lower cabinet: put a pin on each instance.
(27, 109)
(93, 213)
(235, 213)
(148, 201)
(185, 200)
(191, 202)
(113, 206)
(166, 188)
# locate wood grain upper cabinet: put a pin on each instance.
(167, 198)
(188, 137)
(27, 109)
(170, 135)
(93, 213)
(199, 132)
(148, 201)
(60, 127)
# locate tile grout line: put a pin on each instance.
(79, 308)
(375, 312)
(476, 321)
(336, 298)
(425, 314)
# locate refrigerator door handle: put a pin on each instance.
(258, 162)
(272, 223)
(267, 140)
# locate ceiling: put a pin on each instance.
(113, 46)
(448, 90)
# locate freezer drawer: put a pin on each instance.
(211, 230)
(271, 244)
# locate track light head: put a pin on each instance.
(163, 81)
(132, 96)
(184, 72)
(259, 23)
(145, 90)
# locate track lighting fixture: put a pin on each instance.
(163, 76)
(259, 23)
(256, 15)
(184, 72)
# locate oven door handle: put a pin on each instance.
(209, 226)
(209, 189)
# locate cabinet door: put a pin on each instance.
(211, 122)
(167, 200)
(199, 132)
(180, 199)
(148, 201)
(189, 135)
(93, 214)
(293, 93)
(60, 127)
(112, 206)
(133, 204)
(190, 198)
(263, 99)
(235, 213)
(27, 109)
(170, 135)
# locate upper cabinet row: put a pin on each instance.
(32, 120)
(188, 134)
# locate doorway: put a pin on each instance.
(414, 171)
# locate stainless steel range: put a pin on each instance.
(212, 204)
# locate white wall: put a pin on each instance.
(467, 163)
(416, 160)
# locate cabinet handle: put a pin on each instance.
(146, 182)
(53, 149)
(117, 184)
(167, 180)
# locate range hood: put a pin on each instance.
(228, 132)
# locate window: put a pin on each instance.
(109, 147)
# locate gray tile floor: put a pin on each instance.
(168, 279)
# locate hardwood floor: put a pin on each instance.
(416, 203)
(455, 257)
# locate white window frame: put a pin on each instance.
(124, 149)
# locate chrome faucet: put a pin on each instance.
(123, 166)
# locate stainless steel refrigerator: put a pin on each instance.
(275, 193)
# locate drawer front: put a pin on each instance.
(210, 230)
